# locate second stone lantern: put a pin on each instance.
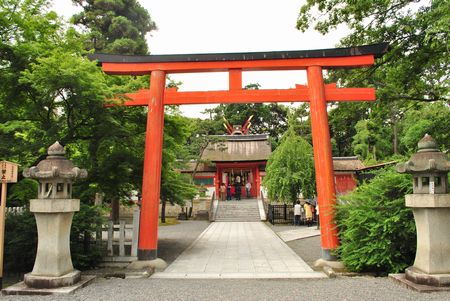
(430, 203)
(53, 210)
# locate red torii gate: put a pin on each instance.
(316, 92)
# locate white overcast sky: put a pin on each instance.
(208, 26)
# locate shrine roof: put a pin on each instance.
(201, 168)
(347, 164)
(237, 148)
(375, 49)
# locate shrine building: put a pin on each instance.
(240, 156)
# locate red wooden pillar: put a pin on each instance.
(323, 161)
(258, 184)
(148, 228)
(217, 182)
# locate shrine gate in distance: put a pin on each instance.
(315, 92)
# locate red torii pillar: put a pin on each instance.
(151, 185)
(316, 92)
(323, 161)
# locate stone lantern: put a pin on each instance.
(430, 203)
(53, 210)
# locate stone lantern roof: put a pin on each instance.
(427, 159)
(55, 165)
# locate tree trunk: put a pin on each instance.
(375, 152)
(395, 141)
(163, 212)
(86, 241)
(197, 163)
(115, 204)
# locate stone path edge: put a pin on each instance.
(273, 275)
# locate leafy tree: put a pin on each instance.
(203, 135)
(290, 169)
(115, 26)
(175, 188)
(416, 67)
(376, 230)
(49, 91)
(115, 147)
(343, 119)
(426, 118)
(302, 124)
(20, 194)
(370, 140)
(27, 31)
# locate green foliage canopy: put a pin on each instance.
(115, 26)
(376, 230)
(290, 169)
(415, 69)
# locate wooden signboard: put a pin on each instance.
(8, 172)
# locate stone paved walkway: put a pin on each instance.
(301, 232)
(238, 250)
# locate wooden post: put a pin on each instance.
(8, 174)
(323, 161)
(110, 238)
(2, 230)
(135, 236)
(148, 228)
(122, 238)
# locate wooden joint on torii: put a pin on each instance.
(317, 93)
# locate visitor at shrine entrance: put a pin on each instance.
(240, 184)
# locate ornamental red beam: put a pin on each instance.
(173, 97)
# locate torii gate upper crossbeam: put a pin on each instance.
(316, 92)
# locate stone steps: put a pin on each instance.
(238, 211)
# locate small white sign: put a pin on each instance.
(8, 172)
(431, 187)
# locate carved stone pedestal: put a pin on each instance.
(53, 266)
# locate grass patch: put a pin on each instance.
(170, 221)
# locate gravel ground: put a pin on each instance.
(357, 288)
(174, 239)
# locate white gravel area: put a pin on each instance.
(357, 288)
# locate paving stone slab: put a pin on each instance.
(238, 250)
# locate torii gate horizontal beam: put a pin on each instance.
(360, 56)
(172, 97)
(259, 65)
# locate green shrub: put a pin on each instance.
(376, 230)
(21, 240)
(21, 192)
(85, 252)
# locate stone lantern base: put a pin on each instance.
(417, 276)
(53, 266)
(22, 289)
(432, 217)
(68, 279)
(431, 269)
